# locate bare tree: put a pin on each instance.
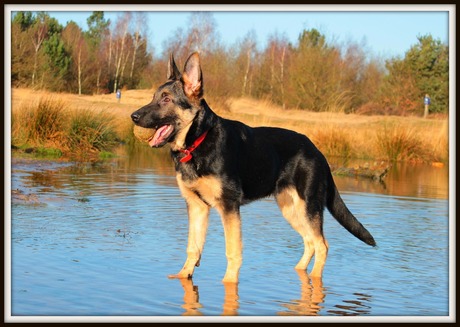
(40, 30)
(22, 54)
(99, 38)
(75, 43)
(139, 26)
(199, 35)
(121, 32)
(248, 47)
(282, 63)
(202, 32)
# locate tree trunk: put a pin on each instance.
(98, 81)
(119, 60)
(135, 47)
(35, 67)
(248, 66)
(282, 77)
(272, 71)
(79, 71)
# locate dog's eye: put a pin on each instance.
(165, 97)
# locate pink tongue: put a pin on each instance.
(160, 135)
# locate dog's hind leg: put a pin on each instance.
(315, 211)
(294, 209)
(231, 221)
(320, 244)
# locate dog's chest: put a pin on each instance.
(207, 189)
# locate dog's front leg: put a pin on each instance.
(233, 243)
(198, 213)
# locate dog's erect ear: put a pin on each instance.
(191, 77)
(173, 71)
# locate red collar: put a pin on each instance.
(190, 149)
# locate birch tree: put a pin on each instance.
(120, 33)
(76, 45)
(248, 49)
(38, 35)
(140, 28)
(99, 41)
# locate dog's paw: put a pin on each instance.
(180, 276)
(230, 279)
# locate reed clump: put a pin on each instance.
(90, 133)
(51, 126)
(402, 142)
(39, 123)
(334, 141)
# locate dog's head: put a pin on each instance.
(175, 104)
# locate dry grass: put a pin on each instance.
(38, 122)
(51, 122)
(335, 133)
(391, 138)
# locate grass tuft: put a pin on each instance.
(40, 123)
(398, 143)
(53, 129)
(333, 141)
(89, 133)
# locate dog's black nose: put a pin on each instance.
(135, 117)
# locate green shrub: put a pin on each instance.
(50, 153)
(90, 132)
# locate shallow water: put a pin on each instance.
(100, 240)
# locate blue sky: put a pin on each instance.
(383, 31)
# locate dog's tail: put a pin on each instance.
(340, 212)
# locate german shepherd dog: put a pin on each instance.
(224, 164)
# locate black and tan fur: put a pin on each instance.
(236, 164)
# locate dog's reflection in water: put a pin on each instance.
(311, 297)
(231, 303)
(309, 303)
(192, 303)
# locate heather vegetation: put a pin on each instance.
(313, 73)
